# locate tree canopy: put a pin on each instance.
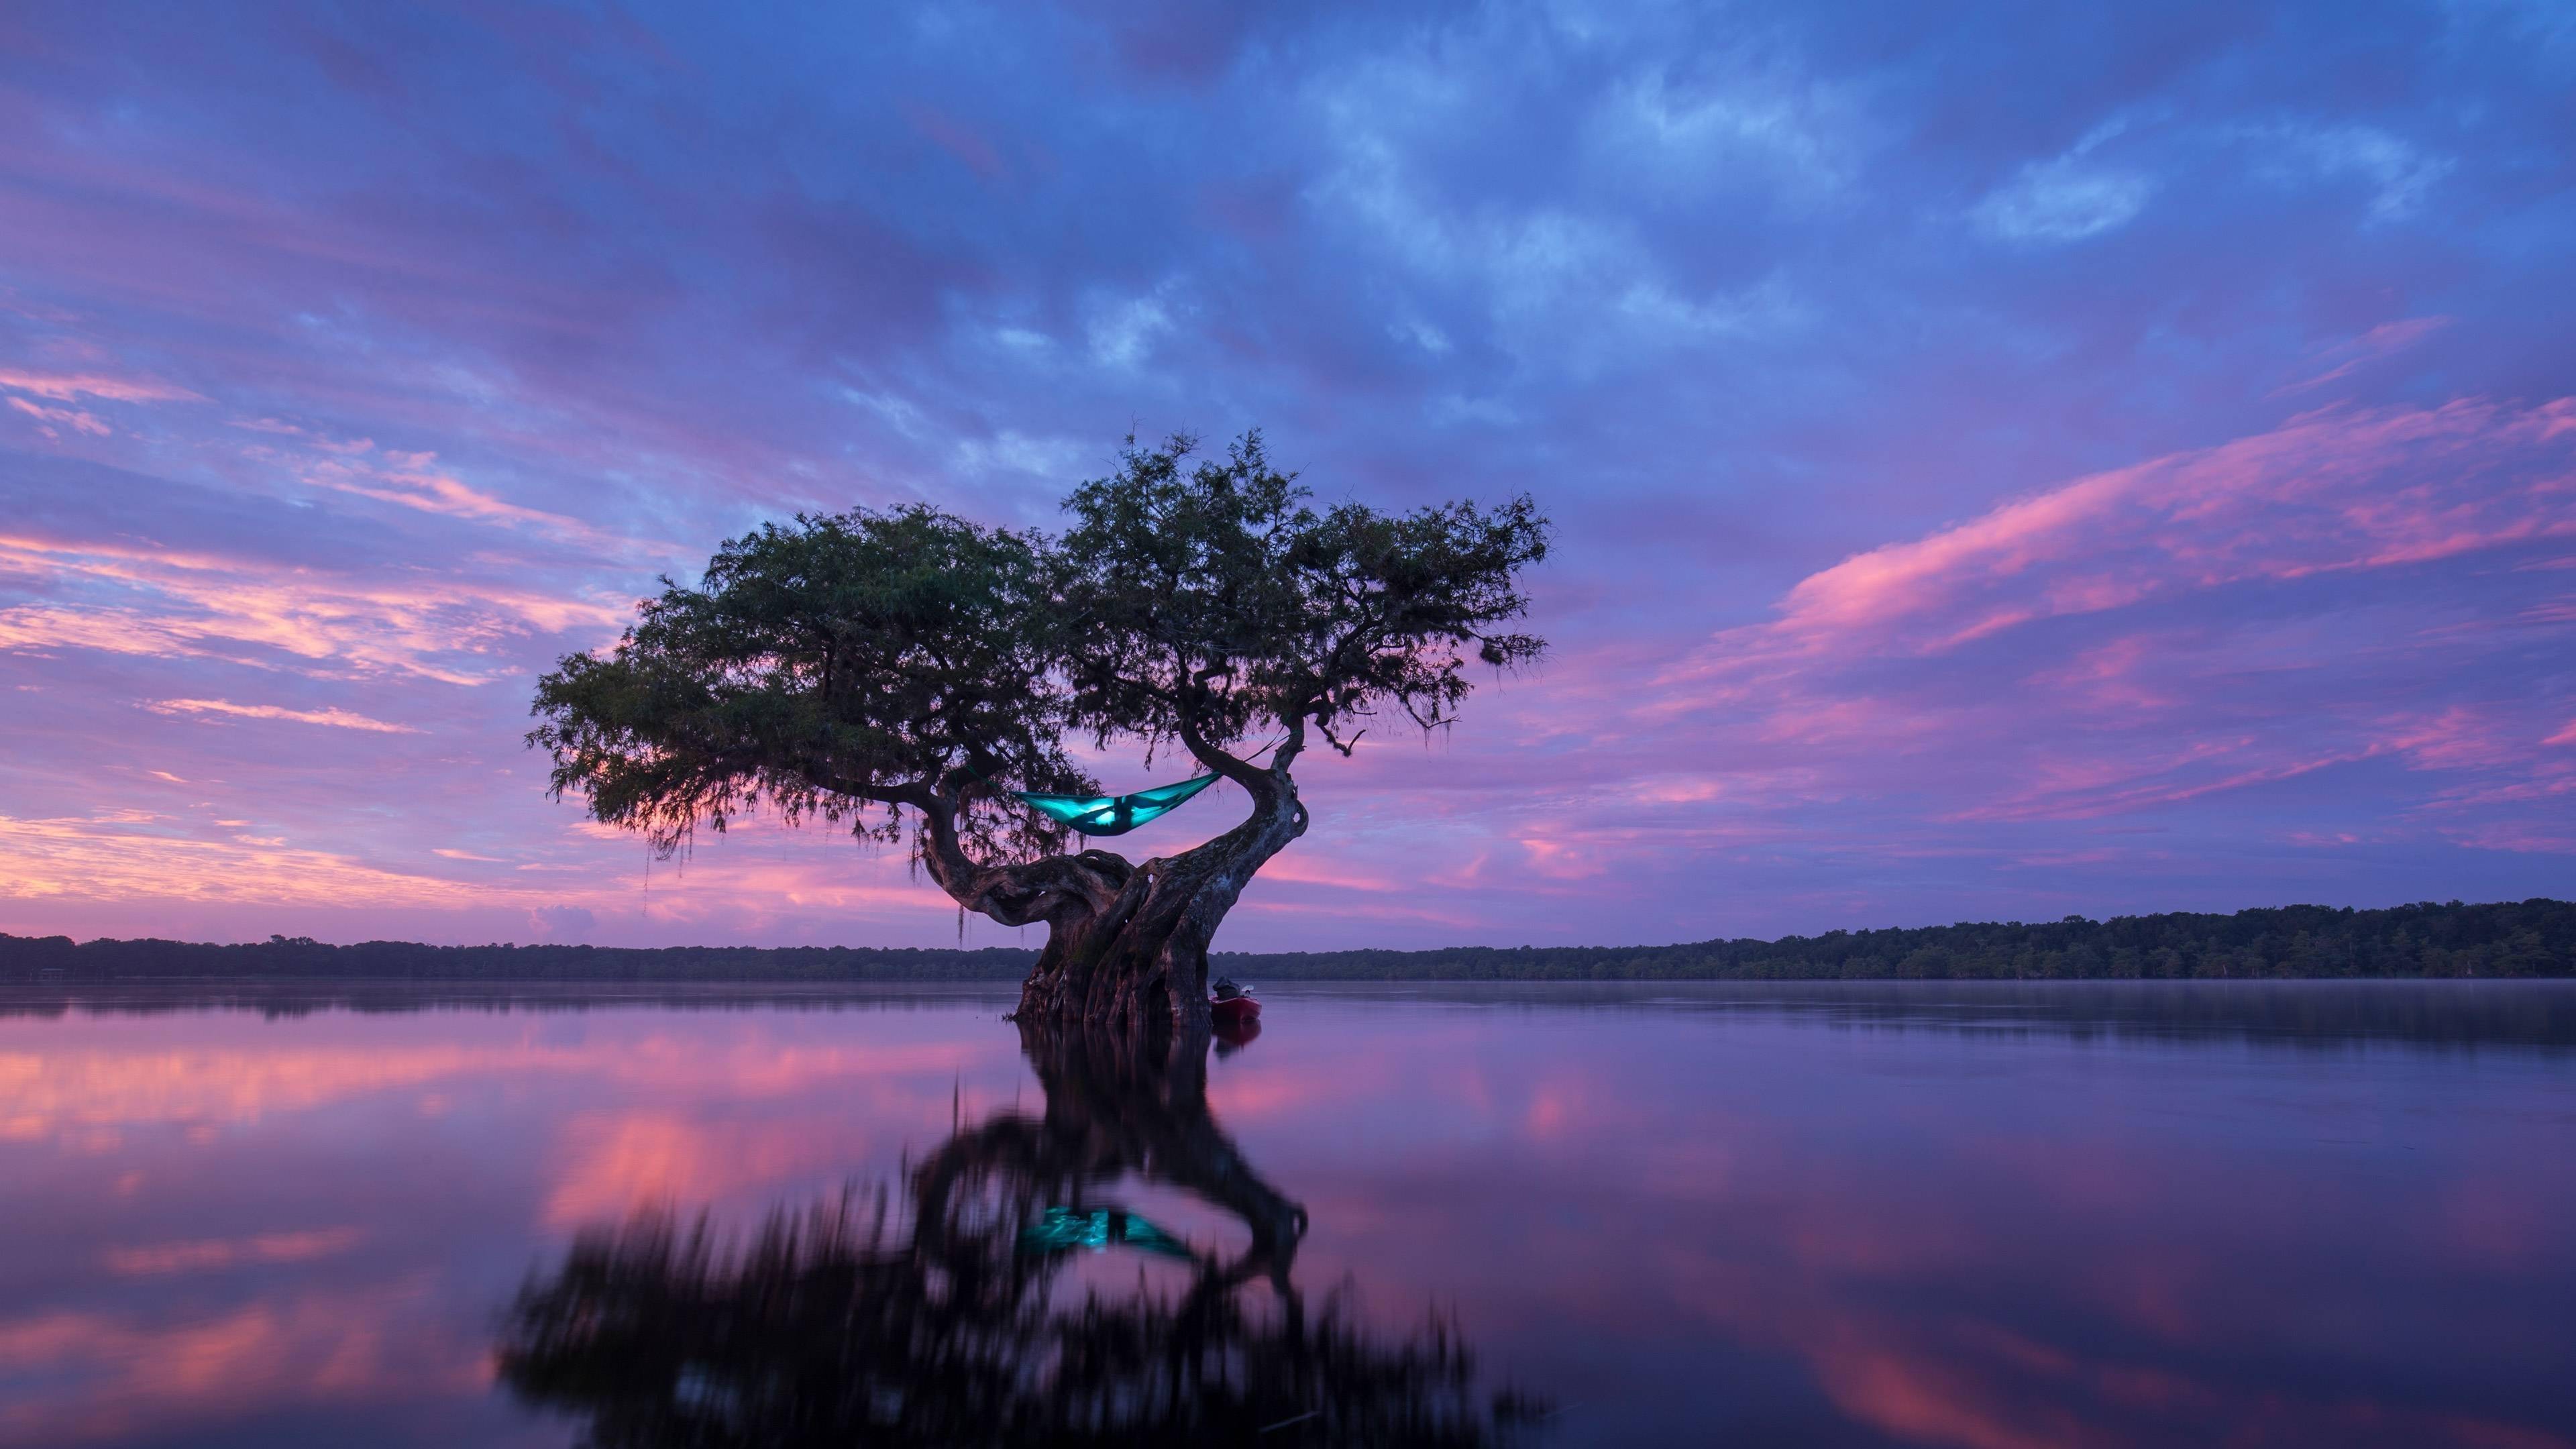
(854, 659)
(1213, 601)
(854, 666)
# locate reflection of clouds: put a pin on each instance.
(207, 1254)
(1574, 1107)
(2495, 1224)
(46, 1093)
(290, 1241)
(1956, 1378)
(107, 1377)
(2064, 1252)
(1946, 1237)
(613, 1165)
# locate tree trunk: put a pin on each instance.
(1143, 959)
(1127, 944)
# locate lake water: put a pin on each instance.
(1983, 1215)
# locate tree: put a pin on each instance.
(909, 670)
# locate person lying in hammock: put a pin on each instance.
(1114, 814)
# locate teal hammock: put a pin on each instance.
(1115, 814)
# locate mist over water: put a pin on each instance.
(1955, 1214)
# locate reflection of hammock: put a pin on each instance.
(1114, 814)
(1099, 1229)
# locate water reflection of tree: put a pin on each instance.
(862, 1322)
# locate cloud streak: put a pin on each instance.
(335, 718)
(2333, 491)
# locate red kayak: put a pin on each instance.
(1235, 1010)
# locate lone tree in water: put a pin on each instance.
(905, 671)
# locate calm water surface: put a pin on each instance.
(1926, 1215)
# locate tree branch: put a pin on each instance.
(1290, 748)
(1242, 772)
(1017, 895)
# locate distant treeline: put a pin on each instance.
(2512, 938)
(2507, 939)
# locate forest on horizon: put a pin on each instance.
(2513, 939)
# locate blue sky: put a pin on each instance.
(2008, 460)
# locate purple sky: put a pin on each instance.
(2008, 460)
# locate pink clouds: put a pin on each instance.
(1303, 870)
(2093, 649)
(155, 861)
(2458, 738)
(145, 599)
(73, 418)
(2387, 338)
(2085, 681)
(72, 387)
(2332, 490)
(335, 718)
(69, 389)
(183, 861)
(408, 479)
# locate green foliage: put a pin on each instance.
(851, 660)
(2507, 939)
(59, 958)
(1207, 596)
